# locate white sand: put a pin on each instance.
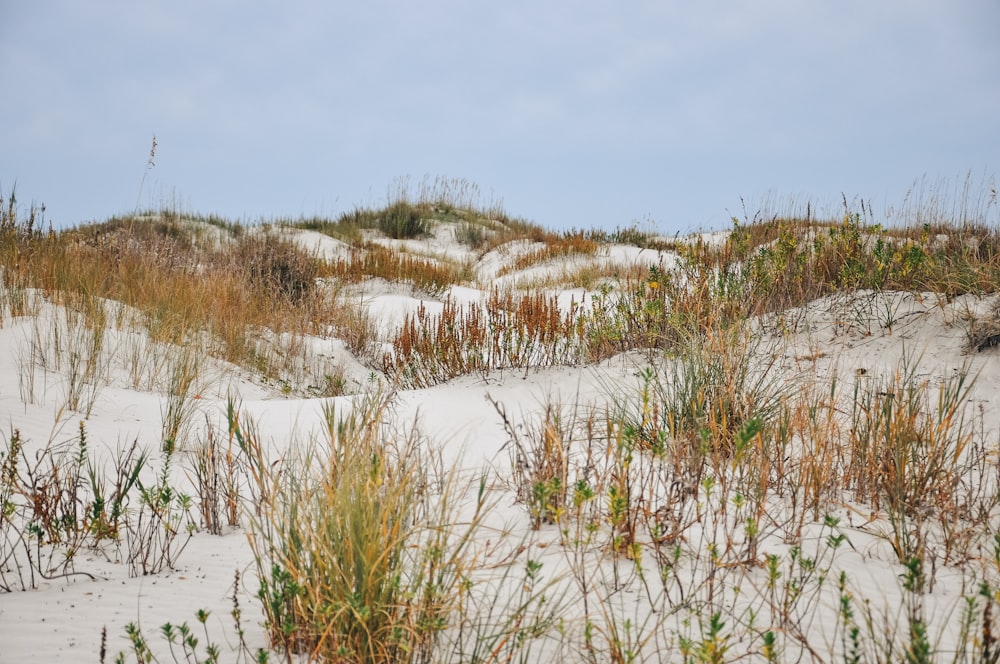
(61, 620)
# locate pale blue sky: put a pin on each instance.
(574, 114)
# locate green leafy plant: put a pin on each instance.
(192, 645)
(162, 526)
(540, 464)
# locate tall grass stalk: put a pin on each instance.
(181, 398)
(150, 163)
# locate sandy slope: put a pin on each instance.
(62, 619)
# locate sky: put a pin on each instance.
(671, 116)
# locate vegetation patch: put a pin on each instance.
(719, 487)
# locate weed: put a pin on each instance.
(163, 525)
(181, 396)
(193, 645)
(540, 465)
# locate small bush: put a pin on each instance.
(472, 234)
(403, 220)
(276, 267)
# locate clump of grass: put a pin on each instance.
(715, 385)
(663, 308)
(403, 220)
(358, 557)
(16, 233)
(910, 456)
(405, 216)
(108, 517)
(473, 235)
(694, 430)
(343, 228)
(399, 220)
(220, 477)
(185, 375)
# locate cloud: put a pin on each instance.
(297, 95)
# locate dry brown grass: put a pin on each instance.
(509, 331)
(184, 287)
(372, 260)
(555, 246)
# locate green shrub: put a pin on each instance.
(402, 220)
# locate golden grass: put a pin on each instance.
(788, 262)
(186, 284)
(554, 246)
(372, 260)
